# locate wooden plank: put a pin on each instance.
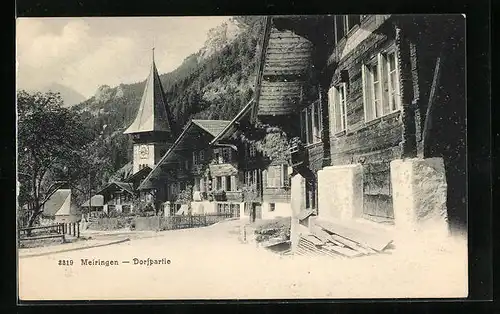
(365, 235)
(350, 244)
(43, 237)
(344, 251)
(320, 234)
(314, 240)
(287, 56)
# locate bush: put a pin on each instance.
(274, 228)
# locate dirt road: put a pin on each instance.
(207, 263)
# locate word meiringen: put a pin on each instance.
(98, 262)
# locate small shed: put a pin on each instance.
(60, 207)
(95, 201)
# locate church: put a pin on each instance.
(153, 131)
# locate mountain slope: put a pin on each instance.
(214, 83)
(69, 95)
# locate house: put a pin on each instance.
(265, 128)
(381, 110)
(208, 176)
(59, 208)
(118, 196)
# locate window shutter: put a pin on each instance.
(264, 178)
(343, 107)
(331, 110)
(367, 91)
(233, 183)
(384, 83)
(284, 175)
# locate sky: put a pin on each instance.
(85, 53)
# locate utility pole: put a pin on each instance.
(90, 197)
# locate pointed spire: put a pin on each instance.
(153, 113)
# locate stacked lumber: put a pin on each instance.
(339, 240)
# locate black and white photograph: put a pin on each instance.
(241, 157)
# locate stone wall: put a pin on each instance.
(340, 192)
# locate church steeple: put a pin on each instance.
(153, 114)
(153, 130)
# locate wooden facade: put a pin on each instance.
(373, 78)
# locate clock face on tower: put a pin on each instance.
(144, 151)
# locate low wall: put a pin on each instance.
(280, 210)
(110, 223)
(146, 223)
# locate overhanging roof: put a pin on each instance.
(125, 186)
(196, 134)
(214, 127)
(96, 200)
(231, 126)
(142, 172)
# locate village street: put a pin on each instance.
(210, 262)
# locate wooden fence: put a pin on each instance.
(179, 221)
(59, 230)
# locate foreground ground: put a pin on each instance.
(208, 263)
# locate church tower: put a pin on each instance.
(153, 130)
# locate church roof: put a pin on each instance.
(153, 114)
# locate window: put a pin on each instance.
(186, 164)
(218, 183)
(226, 154)
(381, 86)
(393, 79)
(277, 176)
(343, 24)
(337, 99)
(202, 185)
(217, 154)
(252, 152)
(196, 186)
(228, 184)
(198, 157)
(352, 20)
(272, 207)
(311, 123)
(250, 177)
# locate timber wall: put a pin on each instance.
(370, 143)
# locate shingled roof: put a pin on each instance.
(153, 114)
(213, 127)
(200, 130)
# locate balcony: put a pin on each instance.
(235, 196)
(298, 152)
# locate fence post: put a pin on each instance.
(78, 229)
(74, 230)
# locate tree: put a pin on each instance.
(50, 138)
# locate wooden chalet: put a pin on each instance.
(119, 196)
(192, 165)
(359, 101)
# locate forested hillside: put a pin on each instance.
(214, 83)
